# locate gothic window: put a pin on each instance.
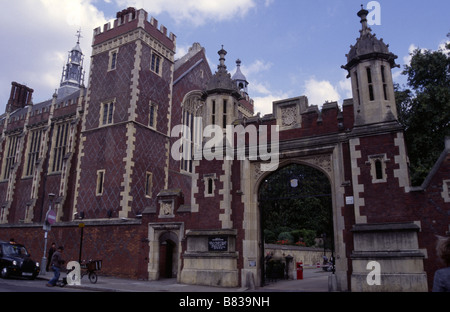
(370, 82)
(378, 168)
(213, 120)
(224, 122)
(156, 64)
(357, 88)
(148, 184)
(100, 182)
(113, 59)
(10, 156)
(188, 141)
(192, 132)
(208, 179)
(33, 151)
(61, 137)
(383, 78)
(153, 114)
(107, 113)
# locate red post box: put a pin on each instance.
(299, 270)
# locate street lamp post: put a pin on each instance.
(47, 228)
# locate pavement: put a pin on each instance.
(314, 280)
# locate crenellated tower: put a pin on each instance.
(129, 102)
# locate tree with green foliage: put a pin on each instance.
(424, 109)
(296, 205)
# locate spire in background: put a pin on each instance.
(222, 53)
(365, 28)
(73, 75)
(239, 78)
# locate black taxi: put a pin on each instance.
(16, 261)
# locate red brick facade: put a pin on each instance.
(83, 140)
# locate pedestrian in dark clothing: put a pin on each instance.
(442, 277)
(56, 264)
(50, 255)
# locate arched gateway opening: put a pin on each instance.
(296, 215)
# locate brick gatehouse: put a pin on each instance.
(106, 152)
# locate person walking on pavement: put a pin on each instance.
(56, 264)
(50, 255)
(442, 277)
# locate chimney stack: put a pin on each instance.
(20, 97)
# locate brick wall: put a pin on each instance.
(122, 247)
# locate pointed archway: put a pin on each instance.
(295, 204)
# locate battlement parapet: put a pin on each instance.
(296, 118)
(130, 19)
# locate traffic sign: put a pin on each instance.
(51, 217)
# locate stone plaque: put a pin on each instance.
(218, 243)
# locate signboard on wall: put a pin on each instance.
(218, 243)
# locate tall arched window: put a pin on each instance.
(192, 119)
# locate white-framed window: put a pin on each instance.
(34, 145)
(210, 185)
(192, 141)
(61, 139)
(100, 182)
(113, 55)
(10, 155)
(378, 168)
(153, 114)
(148, 184)
(107, 113)
(156, 63)
(192, 136)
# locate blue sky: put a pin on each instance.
(288, 48)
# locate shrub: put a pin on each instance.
(269, 236)
(305, 236)
(286, 237)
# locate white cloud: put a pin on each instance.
(264, 104)
(38, 42)
(407, 58)
(182, 50)
(443, 45)
(345, 88)
(413, 48)
(196, 12)
(318, 92)
(255, 67)
(260, 88)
